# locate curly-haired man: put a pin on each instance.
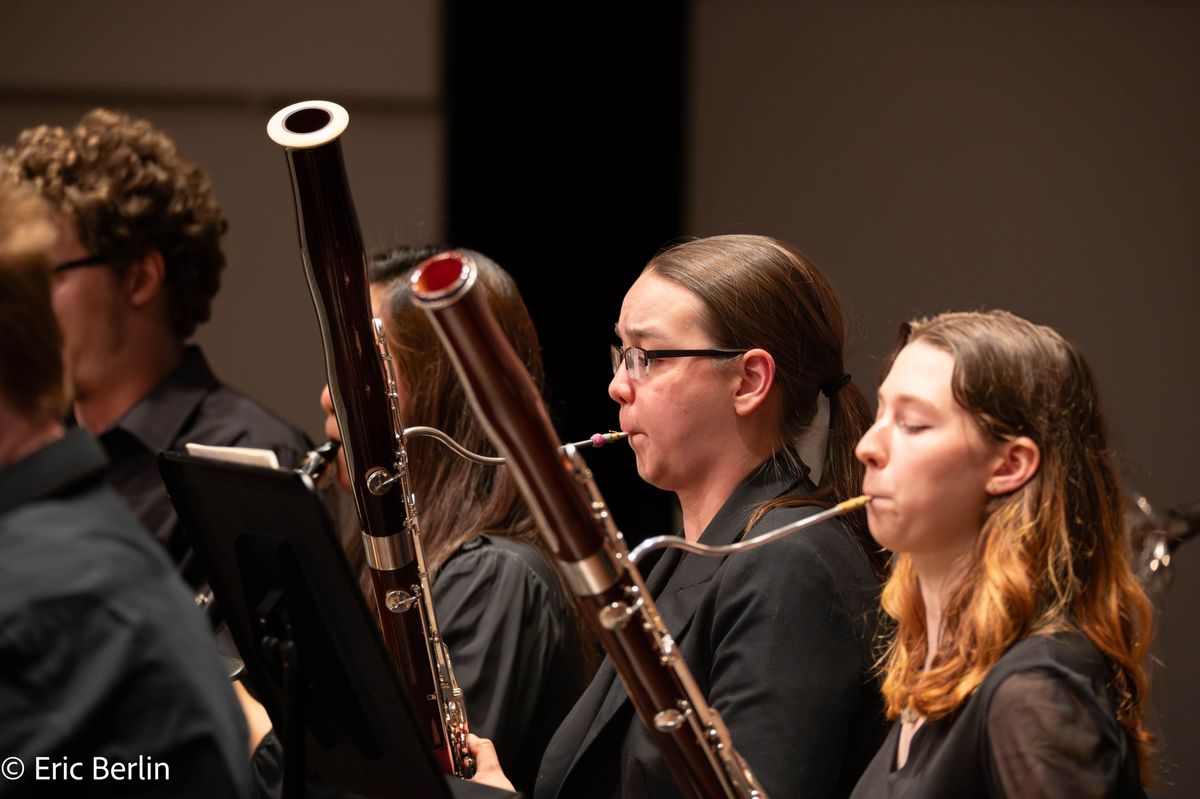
(138, 261)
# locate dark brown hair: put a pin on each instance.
(457, 499)
(127, 191)
(1051, 556)
(758, 292)
(31, 367)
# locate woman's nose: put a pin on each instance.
(870, 449)
(620, 388)
(331, 424)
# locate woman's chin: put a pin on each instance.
(883, 529)
(649, 473)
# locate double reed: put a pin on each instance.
(575, 526)
(363, 388)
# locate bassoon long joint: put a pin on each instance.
(373, 436)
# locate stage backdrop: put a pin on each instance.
(211, 75)
(928, 156)
(1040, 157)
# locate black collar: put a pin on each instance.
(765, 483)
(54, 469)
(158, 417)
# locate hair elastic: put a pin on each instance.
(834, 385)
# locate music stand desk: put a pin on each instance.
(266, 542)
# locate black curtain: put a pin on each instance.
(565, 165)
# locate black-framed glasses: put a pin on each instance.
(637, 360)
(87, 260)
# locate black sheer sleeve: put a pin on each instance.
(1048, 736)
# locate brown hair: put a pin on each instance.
(1052, 555)
(31, 367)
(127, 191)
(457, 499)
(758, 292)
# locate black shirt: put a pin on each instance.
(514, 646)
(102, 652)
(1042, 723)
(516, 655)
(189, 406)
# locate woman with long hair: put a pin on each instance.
(1015, 668)
(509, 626)
(730, 382)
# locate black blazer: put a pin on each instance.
(780, 639)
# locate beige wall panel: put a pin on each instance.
(370, 48)
(211, 75)
(1040, 157)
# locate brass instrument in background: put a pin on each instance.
(1154, 538)
(362, 386)
(576, 529)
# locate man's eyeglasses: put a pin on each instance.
(87, 260)
(637, 360)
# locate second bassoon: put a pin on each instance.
(575, 527)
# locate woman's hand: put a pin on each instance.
(257, 720)
(487, 764)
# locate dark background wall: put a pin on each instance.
(1040, 157)
(566, 167)
(1035, 156)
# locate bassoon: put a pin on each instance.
(363, 388)
(574, 524)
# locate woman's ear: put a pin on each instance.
(1016, 463)
(756, 375)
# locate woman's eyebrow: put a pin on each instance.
(912, 399)
(640, 333)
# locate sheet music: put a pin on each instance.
(246, 455)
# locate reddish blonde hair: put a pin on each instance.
(1050, 556)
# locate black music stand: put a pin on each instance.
(312, 649)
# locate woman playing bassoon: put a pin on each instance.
(730, 382)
